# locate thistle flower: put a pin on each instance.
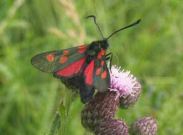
(126, 85)
(112, 127)
(98, 114)
(145, 126)
(102, 107)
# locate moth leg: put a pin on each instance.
(109, 57)
(108, 54)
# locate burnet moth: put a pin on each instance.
(83, 67)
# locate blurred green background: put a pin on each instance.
(152, 51)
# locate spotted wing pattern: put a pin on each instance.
(96, 73)
(54, 61)
(101, 75)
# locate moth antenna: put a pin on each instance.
(133, 24)
(94, 19)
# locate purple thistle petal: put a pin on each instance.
(126, 86)
(122, 81)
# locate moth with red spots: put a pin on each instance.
(83, 67)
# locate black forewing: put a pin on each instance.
(41, 62)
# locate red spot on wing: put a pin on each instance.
(99, 56)
(72, 69)
(65, 52)
(98, 71)
(102, 63)
(63, 59)
(82, 49)
(104, 74)
(89, 73)
(50, 57)
(82, 46)
(101, 53)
